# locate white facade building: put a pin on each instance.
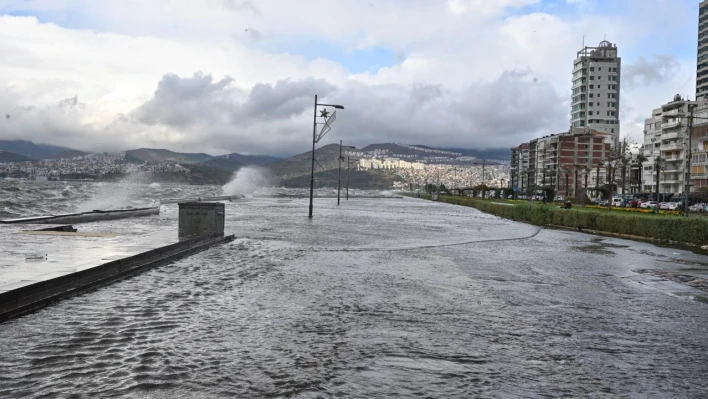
(596, 89)
(702, 59)
(665, 147)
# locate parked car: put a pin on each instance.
(634, 203)
(697, 207)
(672, 206)
(649, 204)
(617, 201)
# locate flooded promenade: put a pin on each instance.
(374, 298)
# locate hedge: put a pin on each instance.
(677, 229)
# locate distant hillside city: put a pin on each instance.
(380, 166)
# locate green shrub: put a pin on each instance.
(684, 230)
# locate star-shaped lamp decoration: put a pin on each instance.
(324, 113)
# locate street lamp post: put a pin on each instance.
(689, 151)
(315, 139)
(348, 169)
(687, 190)
(339, 177)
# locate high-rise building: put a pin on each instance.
(596, 89)
(702, 60)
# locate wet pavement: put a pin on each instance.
(394, 298)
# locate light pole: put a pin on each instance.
(349, 168)
(324, 114)
(689, 151)
(339, 176)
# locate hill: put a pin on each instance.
(295, 171)
(410, 150)
(6, 156)
(364, 179)
(30, 149)
(160, 155)
(422, 152)
(224, 162)
(252, 159)
(493, 153)
(68, 154)
(301, 164)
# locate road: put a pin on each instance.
(375, 298)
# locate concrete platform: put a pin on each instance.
(85, 217)
(37, 268)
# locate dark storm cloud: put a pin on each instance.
(200, 99)
(184, 101)
(643, 72)
(496, 114)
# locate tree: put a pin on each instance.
(586, 172)
(640, 162)
(483, 188)
(659, 165)
(617, 159)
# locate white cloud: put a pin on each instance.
(468, 74)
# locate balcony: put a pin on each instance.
(670, 124)
(699, 175)
(671, 147)
(670, 135)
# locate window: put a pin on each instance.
(612, 130)
(590, 104)
(599, 77)
(590, 95)
(589, 112)
(592, 86)
(599, 68)
(592, 69)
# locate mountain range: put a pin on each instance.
(291, 172)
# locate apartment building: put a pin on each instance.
(568, 161)
(666, 147)
(596, 89)
(702, 59)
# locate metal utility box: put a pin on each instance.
(201, 218)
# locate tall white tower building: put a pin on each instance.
(702, 59)
(596, 89)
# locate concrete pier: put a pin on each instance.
(41, 266)
(85, 217)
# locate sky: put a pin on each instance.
(222, 76)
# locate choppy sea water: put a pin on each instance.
(372, 298)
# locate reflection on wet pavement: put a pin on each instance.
(467, 305)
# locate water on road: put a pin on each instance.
(375, 298)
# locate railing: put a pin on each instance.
(670, 124)
(670, 135)
(672, 146)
